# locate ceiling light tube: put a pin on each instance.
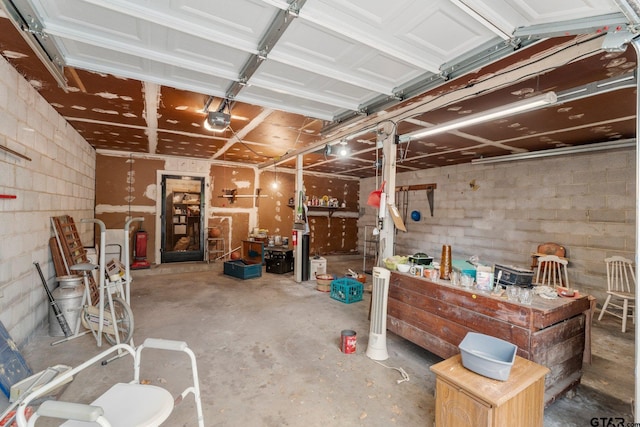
(495, 113)
(587, 148)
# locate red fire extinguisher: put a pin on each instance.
(294, 238)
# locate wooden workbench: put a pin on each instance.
(437, 316)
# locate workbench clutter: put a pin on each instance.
(325, 201)
(250, 264)
(259, 235)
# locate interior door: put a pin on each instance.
(183, 232)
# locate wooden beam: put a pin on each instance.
(76, 79)
(417, 187)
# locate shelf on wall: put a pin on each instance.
(330, 209)
(430, 188)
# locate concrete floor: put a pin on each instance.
(268, 355)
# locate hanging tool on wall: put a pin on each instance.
(405, 202)
(402, 197)
(430, 188)
(430, 191)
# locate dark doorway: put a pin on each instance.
(182, 219)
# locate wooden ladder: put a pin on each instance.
(71, 250)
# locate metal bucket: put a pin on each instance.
(70, 281)
(70, 302)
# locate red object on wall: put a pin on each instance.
(140, 250)
(294, 238)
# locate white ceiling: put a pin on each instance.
(330, 59)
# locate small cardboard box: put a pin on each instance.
(250, 265)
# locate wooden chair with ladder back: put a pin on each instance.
(621, 285)
(548, 248)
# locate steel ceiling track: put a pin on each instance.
(598, 24)
(275, 31)
(31, 28)
(573, 94)
(483, 55)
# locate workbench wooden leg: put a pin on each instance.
(587, 330)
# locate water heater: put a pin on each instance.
(377, 347)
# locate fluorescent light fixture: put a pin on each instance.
(217, 121)
(495, 113)
(587, 148)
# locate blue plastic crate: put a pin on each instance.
(346, 290)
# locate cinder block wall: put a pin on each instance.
(585, 202)
(59, 180)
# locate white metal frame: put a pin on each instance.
(121, 287)
(157, 398)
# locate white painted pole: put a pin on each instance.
(299, 186)
(636, 404)
(389, 150)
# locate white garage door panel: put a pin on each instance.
(311, 85)
(333, 57)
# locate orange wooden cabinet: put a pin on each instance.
(466, 399)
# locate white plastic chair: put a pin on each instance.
(552, 271)
(621, 285)
(124, 404)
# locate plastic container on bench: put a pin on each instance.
(487, 355)
(346, 290)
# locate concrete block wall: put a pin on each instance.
(59, 180)
(586, 202)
